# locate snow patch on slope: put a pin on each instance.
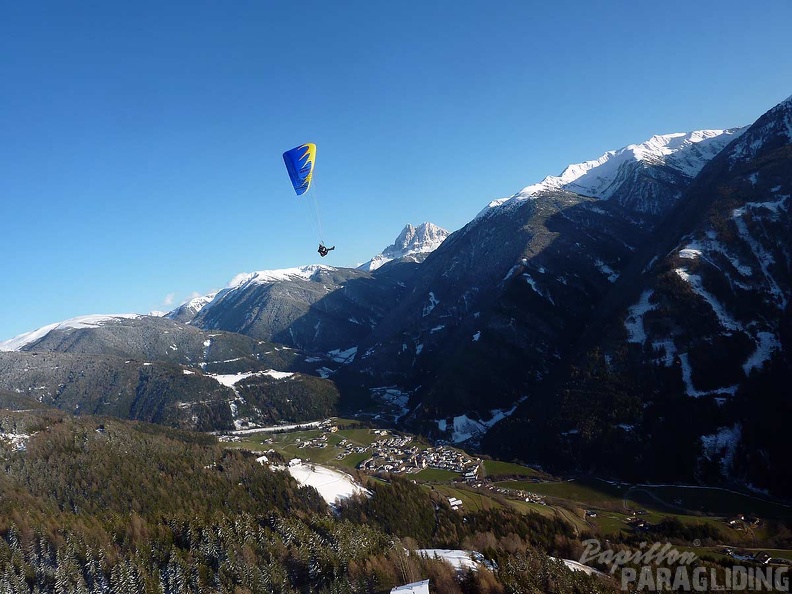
(634, 321)
(723, 444)
(763, 257)
(14, 441)
(343, 356)
(767, 343)
(720, 311)
(331, 484)
(460, 560)
(464, 428)
(230, 380)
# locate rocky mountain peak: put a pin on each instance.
(412, 244)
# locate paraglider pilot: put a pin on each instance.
(323, 250)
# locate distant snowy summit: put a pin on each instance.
(188, 310)
(90, 321)
(263, 277)
(413, 244)
(686, 153)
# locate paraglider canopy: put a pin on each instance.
(300, 164)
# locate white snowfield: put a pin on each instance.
(231, 379)
(277, 428)
(331, 484)
(459, 559)
(89, 321)
(421, 587)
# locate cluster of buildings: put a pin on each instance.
(397, 454)
(455, 503)
(349, 449)
(760, 557)
(515, 493)
(743, 522)
(316, 442)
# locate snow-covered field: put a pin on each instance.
(278, 428)
(459, 559)
(331, 484)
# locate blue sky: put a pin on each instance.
(140, 142)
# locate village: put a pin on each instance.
(398, 454)
(393, 453)
(389, 452)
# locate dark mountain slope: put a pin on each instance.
(149, 338)
(88, 384)
(316, 308)
(496, 304)
(159, 370)
(674, 354)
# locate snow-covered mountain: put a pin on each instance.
(160, 370)
(686, 360)
(189, 309)
(412, 245)
(647, 170)
(315, 307)
(318, 308)
(599, 178)
(90, 321)
(531, 298)
(264, 277)
(637, 302)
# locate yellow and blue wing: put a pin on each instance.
(300, 164)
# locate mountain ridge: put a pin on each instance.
(556, 327)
